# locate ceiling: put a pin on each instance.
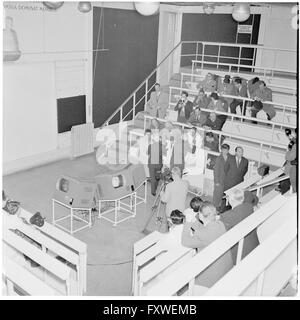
(197, 3)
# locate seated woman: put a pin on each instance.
(202, 233)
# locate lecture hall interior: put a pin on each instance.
(150, 149)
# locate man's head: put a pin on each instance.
(236, 197)
(197, 111)
(176, 173)
(209, 76)
(214, 96)
(184, 95)
(213, 116)
(201, 93)
(256, 79)
(208, 213)
(209, 137)
(157, 87)
(237, 82)
(196, 204)
(261, 84)
(239, 152)
(225, 149)
(176, 217)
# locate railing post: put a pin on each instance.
(218, 56)
(133, 109)
(197, 50)
(121, 114)
(239, 251)
(239, 59)
(260, 282)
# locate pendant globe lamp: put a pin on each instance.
(241, 12)
(51, 5)
(146, 8)
(11, 51)
(84, 6)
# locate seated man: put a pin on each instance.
(211, 142)
(158, 103)
(208, 84)
(201, 100)
(262, 94)
(184, 108)
(219, 104)
(240, 210)
(253, 85)
(197, 118)
(199, 235)
(240, 90)
(213, 122)
(227, 88)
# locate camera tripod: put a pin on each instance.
(156, 208)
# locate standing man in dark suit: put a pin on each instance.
(240, 210)
(240, 91)
(184, 107)
(238, 167)
(155, 161)
(220, 171)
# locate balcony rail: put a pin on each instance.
(187, 274)
(138, 98)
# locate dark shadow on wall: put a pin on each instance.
(132, 42)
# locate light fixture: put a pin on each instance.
(84, 6)
(146, 8)
(11, 50)
(241, 12)
(208, 8)
(53, 5)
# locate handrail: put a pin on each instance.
(243, 66)
(233, 115)
(259, 259)
(268, 183)
(217, 132)
(275, 104)
(188, 272)
(182, 74)
(228, 44)
(146, 79)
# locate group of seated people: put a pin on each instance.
(199, 225)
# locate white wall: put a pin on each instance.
(277, 31)
(54, 64)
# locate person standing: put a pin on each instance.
(239, 211)
(175, 193)
(238, 167)
(291, 158)
(220, 171)
(155, 161)
(158, 103)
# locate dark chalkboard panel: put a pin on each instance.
(70, 112)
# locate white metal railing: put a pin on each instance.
(279, 88)
(255, 274)
(264, 70)
(281, 106)
(187, 274)
(139, 96)
(263, 147)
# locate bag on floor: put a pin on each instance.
(37, 219)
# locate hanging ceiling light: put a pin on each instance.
(11, 50)
(84, 7)
(146, 8)
(53, 5)
(241, 12)
(208, 8)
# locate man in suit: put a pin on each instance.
(218, 104)
(184, 108)
(158, 103)
(211, 142)
(199, 234)
(208, 84)
(238, 167)
(240, 90)
(220, 171)
(226, 88)
(240, 210)
(253, 85)
(155, 160)
(201, 100)
(197, 118)
(213, 122)
(262, 94)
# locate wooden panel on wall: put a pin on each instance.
(132, 43)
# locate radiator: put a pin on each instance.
(82, 139)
